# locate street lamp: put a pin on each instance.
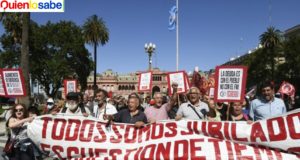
(150, 48)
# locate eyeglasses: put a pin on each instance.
(19, 110)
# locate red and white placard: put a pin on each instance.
(70, 85)
(179, 78)
(13, 82)
(230, 83)
(2, 92)
(145, 81)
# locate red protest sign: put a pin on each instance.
(13, 82)
(2, 91)
(180, 78)
(145, 81)
(70, 85)
(230, 83)
(287, 88)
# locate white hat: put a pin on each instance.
(50, 100)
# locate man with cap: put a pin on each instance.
(73, 106)
(50, 108)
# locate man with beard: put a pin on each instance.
(194, 109)
(73, 106)
(102, 109)
(267, 105)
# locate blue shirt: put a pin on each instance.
(261, 109)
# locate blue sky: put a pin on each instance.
(211, 31)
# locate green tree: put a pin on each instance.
(290, 70)
(18, 26)
(57, 51)
(271, 40)
(95, 32)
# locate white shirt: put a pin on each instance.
(110, 110)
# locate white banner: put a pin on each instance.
(64, 136)
(145, 81)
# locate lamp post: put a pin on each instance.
(150, 48)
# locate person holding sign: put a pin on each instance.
(158, 111)
(267, 105)
(194, 109)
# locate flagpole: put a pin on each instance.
(177, 37)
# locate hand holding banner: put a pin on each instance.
(67, 136)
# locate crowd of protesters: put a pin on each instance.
(139, 112)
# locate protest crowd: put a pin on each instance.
(134, 109)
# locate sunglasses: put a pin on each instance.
(19, 110)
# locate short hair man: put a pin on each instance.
(194, 109)
(131, 114)
(102, 109)
(267, 105)
(158, 111)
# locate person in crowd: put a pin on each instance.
(73, 106)
(51, 108)
(17, 124)
(158, 111)
(131, 114)
(87, 102)
(140, 101)
(146, 102)
(120, 102)
(194, 109)
(267, 105)
(236, 112)
(175, 101)
(102, 109)
(33, 111)
(223, 109)
(213, 114)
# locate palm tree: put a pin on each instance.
(271, 39)
(95, 32)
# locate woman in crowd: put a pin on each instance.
(18, 130)
(213, 114)
(236, 112)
